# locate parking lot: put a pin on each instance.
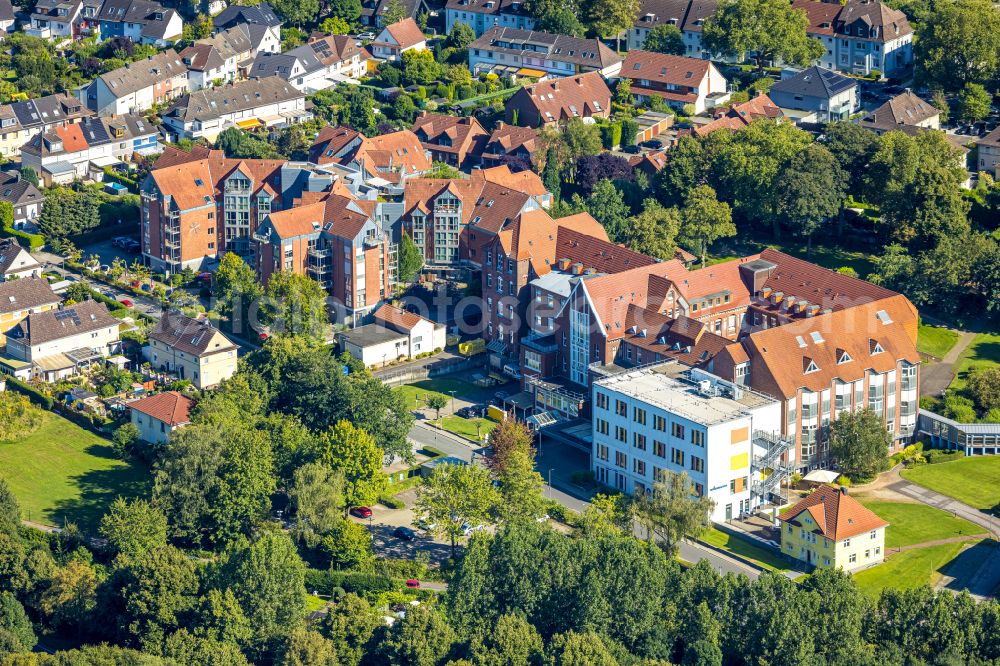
(384, 520)
(108, 252)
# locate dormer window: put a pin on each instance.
(876, 347)
(811, 367)
(844, 358)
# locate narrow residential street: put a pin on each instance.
(562, 460)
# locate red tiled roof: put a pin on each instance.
(556, 99)
(664, 68)
(401, 319)
(406, 33)
(170, 407)
(741, 115)
(837, 515)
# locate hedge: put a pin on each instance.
(33, 394)
(361, 584)
(113, 176)
(32, 241)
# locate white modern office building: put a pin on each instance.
(670, 417)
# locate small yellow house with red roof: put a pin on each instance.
(829, 528)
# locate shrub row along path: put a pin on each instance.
(979, 570)
(936, 377)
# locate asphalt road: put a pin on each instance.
(563, 461)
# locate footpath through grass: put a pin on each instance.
(935, 341)
(763, 556)
(974, 480)
(463, 391)
(982, 352)
(63, 472)
(912, 523)
(908, 570)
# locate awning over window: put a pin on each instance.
(537, 73)
(249, 124)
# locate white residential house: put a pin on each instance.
(83, 150)
(138, 86)
(396, 39)
(668, 417)
(159, 415)
(395, 334)
(15, 262)
(677, 80)
(483, 15)
(299, 67)
(192, 349)
(270, 102)
(59, 342)
(222, 58)
(526, 53)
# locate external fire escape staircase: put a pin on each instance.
(769, 471)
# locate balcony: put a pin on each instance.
(319, 253)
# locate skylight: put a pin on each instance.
(816, 337)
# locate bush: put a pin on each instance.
(935, 456)
(391, 502)
(362, 584)
(319, 581)
(32, 242)
(33, 394)
(392, 568)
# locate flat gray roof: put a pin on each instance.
(673, 388)
(371, 335)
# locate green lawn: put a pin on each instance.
(918, 523)
(907, 570)
(935, 341)
(467, 427)
(983, 352)
(765, 557)
(974, 480)
(63, 472)
(463, 390)
(827, 257)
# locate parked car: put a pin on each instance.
(120, 241)
(361, 512)
(412, 583)
(127, 302)
(366, 35)
(470, 412)
(263, 336)
(404, 533)
(105, 268)
(426, 525)
(653, 143)
(632, 150)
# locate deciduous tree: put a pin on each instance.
(353, 452)
(610, 18)
(958, 43)
(133, 528)
(159, 592)
(769, 29)
(974, 102)
(653, 231)
(411, 259)
(608, 207)
(295, 305)
(456, 495)
(810, 190)
(671, 510)
(422, 638)
(513, 642)
(307, 648)
(317, 497)
(705, 219)
(860, 443)
(665, 38)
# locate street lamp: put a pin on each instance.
(452, 393)
(550, 483)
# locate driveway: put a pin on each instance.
(936, 377)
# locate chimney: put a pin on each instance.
(765, 293)
(577, 269)
(564, 263)
(500, 125)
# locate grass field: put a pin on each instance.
(918, 523)
(974, 480)
(467, 427)
(827, 257)
(982, 352)
(907, 570)
(935, 341)
(463, 391)
(63, 472)
(765, 557)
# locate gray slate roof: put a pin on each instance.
(815, 82)
(18, 191)
(261, 14)
(561, 48)
(144, 73)
(212, 103)
(184, 334)
(17, 295)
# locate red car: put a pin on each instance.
(263, 337)
(127, 302)
(361, 512)
(412, 583)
